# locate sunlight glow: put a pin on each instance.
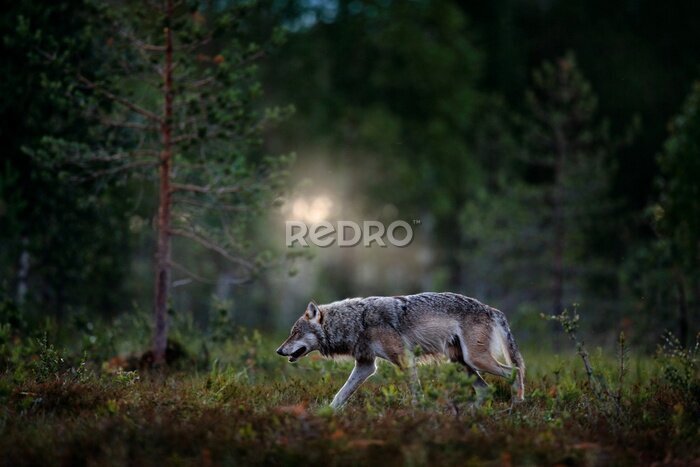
(316, 210)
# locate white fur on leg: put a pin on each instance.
(359, 375)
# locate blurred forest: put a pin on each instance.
(546, 153)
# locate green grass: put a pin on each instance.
(250, 407)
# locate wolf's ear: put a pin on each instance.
(313, 313)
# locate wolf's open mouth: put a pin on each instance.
(295, 356)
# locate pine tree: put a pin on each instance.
(677, 213)
(176, 95)
(50, 245)
(536, 238)
(567, 153)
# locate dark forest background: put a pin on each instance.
(548, 152)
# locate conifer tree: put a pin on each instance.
(677, 213)
(176, 95)
(535, 238)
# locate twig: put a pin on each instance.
(210, 245)
(217, 206)
(130, 125)
(189, 273)
(114, 170)
(204, 189)
(126, 103)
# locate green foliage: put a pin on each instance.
(681, 365)
(52, 238)
(221, 323)
(540, 233)
(252, 408)
(678, 212)
(217, 124)
(665, 271)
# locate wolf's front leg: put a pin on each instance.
(359, 375)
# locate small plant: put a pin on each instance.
(391, 394)
(126, 378)
(609, 402)
(680, 366)
(49, 363)
(221, 323)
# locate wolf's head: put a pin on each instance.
(304, 336)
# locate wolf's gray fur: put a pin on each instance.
(462, 328)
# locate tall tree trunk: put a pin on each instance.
(682, 307)
(162, 281)
(558, 279)
(559, 223)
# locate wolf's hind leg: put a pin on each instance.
(479, 382)
(359, 375)
(454, 352)
(484, 361)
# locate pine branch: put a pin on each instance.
(198, 278)
(130, 125)
(89, 161)
(191, 274)
(126, 103)
(200, 83)
(217, 206)
(211, 245)
(204, 189)
(115, 170)
(194, 45)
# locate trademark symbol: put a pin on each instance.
(416, 221)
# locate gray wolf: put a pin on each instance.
(396, 329)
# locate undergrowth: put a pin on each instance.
(241, 404)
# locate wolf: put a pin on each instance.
(399, 328)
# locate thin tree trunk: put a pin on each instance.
(558, 287)
(682, 308)
(162, 280)
(559, 224)
(23, 272)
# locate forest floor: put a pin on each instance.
(251, 407)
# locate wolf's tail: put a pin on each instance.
(516, 358)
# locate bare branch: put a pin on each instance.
(122, 168)
(210, 245)
(205, 189)
(200, 82)
(198, 278)
(218, 206)
(126, 103)
(251, 58)
(130, 125)
(183, 138)
(195, 45)
(119, 156)
(147, 47)
(191, 274)
(181, 282)
(96, 174)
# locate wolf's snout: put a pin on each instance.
(280, 351)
